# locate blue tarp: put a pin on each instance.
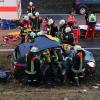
(41, 42)
(89, 56)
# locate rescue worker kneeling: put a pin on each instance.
(77, 68)
(32, 70)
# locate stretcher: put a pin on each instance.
(83, 29)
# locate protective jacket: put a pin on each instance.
(32, 64)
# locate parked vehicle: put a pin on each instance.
(81, 6)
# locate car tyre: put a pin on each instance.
(82, 10)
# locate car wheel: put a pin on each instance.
(82, 10)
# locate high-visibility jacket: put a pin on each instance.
(78, 61)
(32, 64)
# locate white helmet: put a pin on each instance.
(40, 33)
(67, 29)
(30, 3)
(26, 17)
(30, 14)
(62, 22)
(37, 14)
(91, 64)
(50, 21)
(77, 48)
(32, 34)
(34, 49)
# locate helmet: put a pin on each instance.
(92, 15)
(77, 47)
(40, 33)
(50, 21)
(30, 3)
(32, 34)
(26, 17)
(57, 39)
(68, 29)
(91, 64)
(37, 14)
(62, 22)
(30, 14)
(34, 49)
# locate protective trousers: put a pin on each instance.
(76, 35)
(90, 32)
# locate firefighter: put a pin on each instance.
(31, 8)
(44, 24)
(86, 17)
(32, 69)
(76, 33)
(78, 59)
(68, 37)
(37, 20)
(25, 27)
(31, 17)
(30, 37)
(71, 20)
(91, 26)
(56, 55)
(76, 63)
(52, 28)
(62, 25)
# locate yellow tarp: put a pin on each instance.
(52, 38)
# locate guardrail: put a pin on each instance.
(11, 50)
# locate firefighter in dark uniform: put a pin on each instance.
(31, 8)
(68, 37)
(37, 20)
(33, 65)
(52, 28)
(62, 26)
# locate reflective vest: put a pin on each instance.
(81, 69)
(30, 68)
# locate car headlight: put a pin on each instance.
(91, 64)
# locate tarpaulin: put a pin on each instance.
(41, 42)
